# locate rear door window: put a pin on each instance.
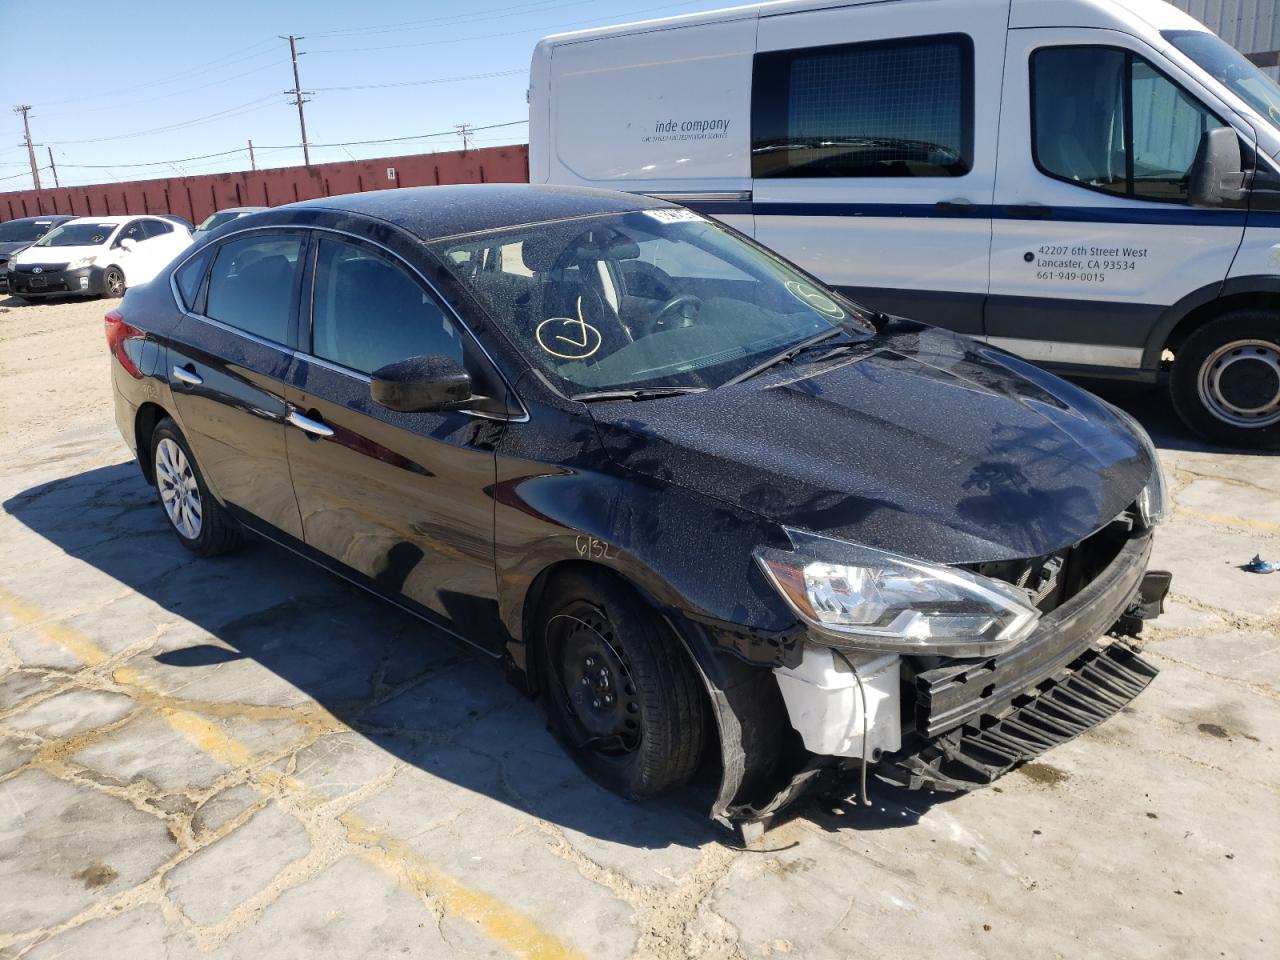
(157, 228)
(368, 311)
(252, 282)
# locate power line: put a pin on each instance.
(219, 115)
(421, 83)
(545, 28)
(293, 146)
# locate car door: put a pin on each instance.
(160, 246)
(399, 501)
(873, 151)
(228, 360)
(1093, 236)
(132, 258)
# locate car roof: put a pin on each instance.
(47, 218)
(112, 218)
(432, 213)
(240, 209)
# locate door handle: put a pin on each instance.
(187, 376)
(1034, 211)
(306, 424)
(958, 205)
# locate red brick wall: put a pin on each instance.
(197, 197)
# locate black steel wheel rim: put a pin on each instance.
(593, 682)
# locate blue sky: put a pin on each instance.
(150, 82)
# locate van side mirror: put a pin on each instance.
(1216, 178)
(421, 384)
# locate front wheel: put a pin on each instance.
(1225, 382)
(113, 284)
(200, 522)
(617, 687)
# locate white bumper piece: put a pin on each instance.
(826, 705)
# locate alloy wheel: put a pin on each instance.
(115, 283)
(179, 491)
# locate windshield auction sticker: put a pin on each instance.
(673, 215)
(812, 297)
(1084, 263)
(567, 338)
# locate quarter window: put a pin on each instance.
(189, 277)
(901, 108)
(368, 312)
(1106, 119)
(251, 284)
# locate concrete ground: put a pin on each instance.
(245, 757)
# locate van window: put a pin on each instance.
(1106, 119)
(899, 108)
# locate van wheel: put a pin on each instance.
(617, 688)
(200, 522)
(1226, 380)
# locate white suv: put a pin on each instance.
(96, 256)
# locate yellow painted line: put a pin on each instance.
(76, 643)
(502, 923)
(1231, 521)
(512, 930)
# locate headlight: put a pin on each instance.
(1153, 501)
(863, 598)
(82, 262)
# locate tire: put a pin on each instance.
(647, 740)
(113, 284)
(1225, 383)
(197, 519)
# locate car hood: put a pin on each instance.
(920, 442)
(13, 246)
(56, 254)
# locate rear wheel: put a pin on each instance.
(200, 522)
(1226, 380)
(113, 284)
(618, 687)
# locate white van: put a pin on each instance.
(1092, 184)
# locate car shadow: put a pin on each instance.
(410, 690)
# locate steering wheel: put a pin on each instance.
(676, 303)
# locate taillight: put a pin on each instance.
(118, 333)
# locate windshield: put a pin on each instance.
(654, 298)
(22, 231)
(77, 235)
(1229, 67)
(218, 219)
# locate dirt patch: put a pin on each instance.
(1213, 730)
(96, 875)
(1043, 774)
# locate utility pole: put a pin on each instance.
(31, 151)
(298, 100)
(253, 164)
(54, 167)
(465, 130)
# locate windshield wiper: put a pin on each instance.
(637, 393)
(789, 354)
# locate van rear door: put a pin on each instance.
(1092, 234)
(873, 150)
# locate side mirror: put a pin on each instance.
(420, 384)
(1216, 178)
(128, 243)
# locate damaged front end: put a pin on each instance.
(934, 721)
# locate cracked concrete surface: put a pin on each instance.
(245, 757)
